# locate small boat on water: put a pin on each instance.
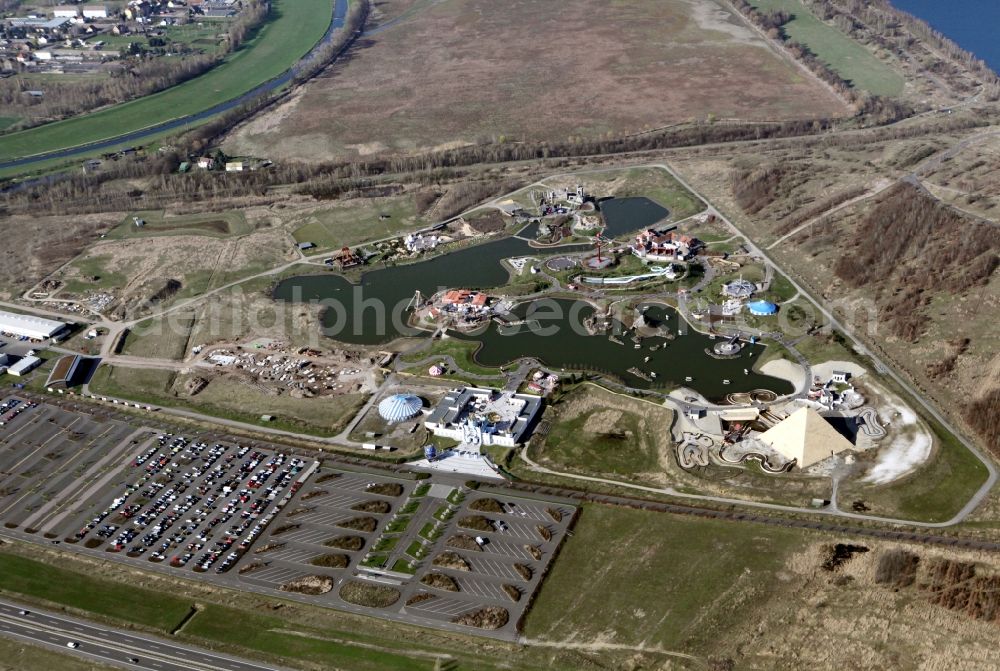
(746, 372)
(725, 382)
(688, 378)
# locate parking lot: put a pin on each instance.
(406, 540)
(264, 520)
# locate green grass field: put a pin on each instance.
(42, 581)
(214, 224)
(933, 493)
(596, 431)
(337, 227)
(849, 59)
(657, 581)
(294, 28)
(462, 351)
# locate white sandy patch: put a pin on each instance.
(710, 16)
(910, 446)
(784, 369)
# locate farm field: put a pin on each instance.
(277, 45)
(848, 58)
(471, 71)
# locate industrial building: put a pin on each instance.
(65, 372)
(805, 437)
(24, 366)
(477, 416)
(37, 328)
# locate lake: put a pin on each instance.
(972, 24)
(557, 339)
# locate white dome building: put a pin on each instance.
(399, 407)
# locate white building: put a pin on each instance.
(234, 166)
(27, 325)
(24, 366)
(64, 12)
(95, 12)
(478, 416)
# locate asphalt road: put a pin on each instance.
(110, 646)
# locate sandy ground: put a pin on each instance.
(785, 370)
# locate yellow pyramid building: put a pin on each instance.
(805, 437)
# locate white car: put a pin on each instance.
(73, 644)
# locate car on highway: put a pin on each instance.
(72, 644)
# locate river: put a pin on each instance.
(972, 24)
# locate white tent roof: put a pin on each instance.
(806, 437)
(399, 407)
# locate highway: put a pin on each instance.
(111, 646)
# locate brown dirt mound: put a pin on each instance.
(420, 598)
(534, 551)
(440, 581)
(513, 592)
(544, 532)
(840, 554)
(368, 594)
(380, 507)
(250, 568)
(386, 489)
(487, 506)
(554, 514)
(268, 548)
(463, 542)
(476, 523)
(284, 529)
(524, 571)
(491, 617)
(310, 584)
(451, 560)
(897, 568)
(366, 524)
(331, 561)
(353, 543)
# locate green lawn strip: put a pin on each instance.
(455, 497)
(430, 531)
(272, 636)
(377, 560)
(36, 580)
(294, 27)
(462, 351)
(420, 490)
(444, 513)
(409, 507)
(398, 524)
(417, 550)
(848, 58)
(403, 566)
(385, 544)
